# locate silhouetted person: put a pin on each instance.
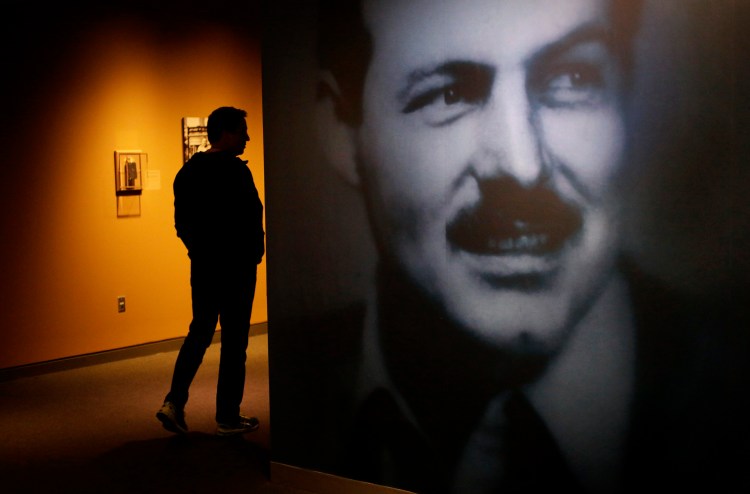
(219, 218)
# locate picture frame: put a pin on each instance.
(129, 172)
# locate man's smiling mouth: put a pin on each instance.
(512, 220)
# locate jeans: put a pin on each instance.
(222, 291)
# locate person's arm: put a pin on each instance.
(185, 208)
(259, 235)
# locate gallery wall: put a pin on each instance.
(79, 83)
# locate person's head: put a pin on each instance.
(227, 130)
(487, 137)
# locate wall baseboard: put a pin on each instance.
(324, 483)
(75, 362)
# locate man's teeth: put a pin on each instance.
(523, 242)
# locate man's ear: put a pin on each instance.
(336, 135)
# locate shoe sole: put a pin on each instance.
(170, 424)
(220, 433)
(252, 427)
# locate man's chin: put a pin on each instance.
(519, 356)
(533, 332)
(524, 342)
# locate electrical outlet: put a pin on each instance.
(120, 304)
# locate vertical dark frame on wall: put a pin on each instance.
(130, 166)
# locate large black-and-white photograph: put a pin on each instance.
(508, 243)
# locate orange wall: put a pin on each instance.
(115, 82)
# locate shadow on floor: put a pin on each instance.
(193, 463)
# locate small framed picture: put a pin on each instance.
(128, 172)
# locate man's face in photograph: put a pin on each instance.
(492, 133)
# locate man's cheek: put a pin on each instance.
(589, 144)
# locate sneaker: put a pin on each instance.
(243, 426)
(172, 418)
(252, 422)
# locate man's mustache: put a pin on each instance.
(512, 219)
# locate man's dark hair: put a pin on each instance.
(345, 47)
(226, 118)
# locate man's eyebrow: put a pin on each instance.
(459, 69)
(587, 33)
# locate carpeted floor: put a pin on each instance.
(93, 430)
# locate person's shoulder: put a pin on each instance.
(694, 334)
(691, 346)
(201, 167)
(192, 165)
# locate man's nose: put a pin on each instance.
(510, 138)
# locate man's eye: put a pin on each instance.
(577, 77)
(449, 94)
(448, 101)
(573, 85)
(428, 97)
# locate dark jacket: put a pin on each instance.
(217, 211)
